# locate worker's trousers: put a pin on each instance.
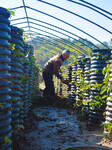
(49, 89)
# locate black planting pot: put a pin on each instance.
(5, 76)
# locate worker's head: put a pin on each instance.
(66, 54)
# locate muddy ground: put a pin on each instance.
(55, 128)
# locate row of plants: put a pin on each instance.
(19, 80)
(102, 90)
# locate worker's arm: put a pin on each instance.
(56, 67)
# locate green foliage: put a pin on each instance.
(90, 54)
(106, 135)
(12, 12)
(12, 46)
(83, 60)
(14, 100)
(107, 85)
(18, 53)
(1, 105)
(107, 125)
(79, 103)
(105, 56)
(108, 128)
(24, 78)
(25, 37)
(82, 116)
(97, 101)
(32, 58)
(7, 140)
(96, 71)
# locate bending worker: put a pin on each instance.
(51, 68)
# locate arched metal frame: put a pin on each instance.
(92, 8)
(54, 36)
(96, 7)
(60, 21)
(61, 30)
(81, 52)
(76, 15)
(55, 31)
(57, 28)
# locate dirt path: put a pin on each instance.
(53, 128)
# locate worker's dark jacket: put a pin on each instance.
(53, 65)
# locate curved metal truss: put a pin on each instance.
(40, 18)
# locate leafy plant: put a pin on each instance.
(1, 105)
(108, 128)
(12, 12)
(7, 140)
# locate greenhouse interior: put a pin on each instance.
(55, 75)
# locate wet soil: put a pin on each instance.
(49, 127)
